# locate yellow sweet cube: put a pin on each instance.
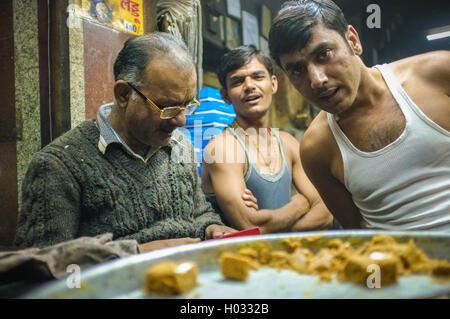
(235, 266)
(171, 278)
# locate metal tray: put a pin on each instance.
(124, 278)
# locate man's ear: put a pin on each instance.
(353, 40)
(274, 84)
(224, 95)
(122, 92)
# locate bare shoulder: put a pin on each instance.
(216, 141)
(289, 140)
(317, 136)
(431, 66)
(285, 136)
(290, 144)
(221, 141)
(318, 147)
(426, 80)
(223, 149)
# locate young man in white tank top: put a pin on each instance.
(379, 152)
(250, 155)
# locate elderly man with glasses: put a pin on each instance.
(129, 172)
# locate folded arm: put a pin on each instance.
(228, 183)
(318, 217)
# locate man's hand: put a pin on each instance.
(249, 199)
(215, 231)
(159, 244)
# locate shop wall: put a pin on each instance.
(56, 72)
(20, 107)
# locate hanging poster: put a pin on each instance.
(250, 30)
(123, 15)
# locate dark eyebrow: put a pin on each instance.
(320, 47)
(293, 65)
(317, 49)
(240, 77)
(236, 77)
(170, 102)
(259, 72)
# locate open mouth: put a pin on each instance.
(252, 98)
(329, 94)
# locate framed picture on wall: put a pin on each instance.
(232, 33)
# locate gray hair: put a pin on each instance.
(138, 52)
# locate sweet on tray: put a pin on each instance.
(171, 278)
(327, 259)
(339, 259)
(358, 268)
(237, 266)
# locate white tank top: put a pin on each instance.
(406, 184)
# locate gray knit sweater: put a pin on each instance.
(72, 190)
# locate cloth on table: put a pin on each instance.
(52, 262)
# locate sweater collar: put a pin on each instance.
(109, 136)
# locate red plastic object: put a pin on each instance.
(246, 232)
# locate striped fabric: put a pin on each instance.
(109, 136)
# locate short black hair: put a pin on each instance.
(239, 57)
(293, 25)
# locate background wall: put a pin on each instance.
(55, 76)
(403, 29)
(288, 111)
(401, 33)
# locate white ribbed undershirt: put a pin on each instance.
(405, 185)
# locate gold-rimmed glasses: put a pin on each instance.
(169, 111)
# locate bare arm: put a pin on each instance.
(434, 68)
(315, 158)
(318, 216)
(431, 73)
(229, 185)
(166, 243)
(227, 181)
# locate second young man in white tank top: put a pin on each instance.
(379, 152)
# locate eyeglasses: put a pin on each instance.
(170, 111)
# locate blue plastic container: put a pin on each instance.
(209, 119)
